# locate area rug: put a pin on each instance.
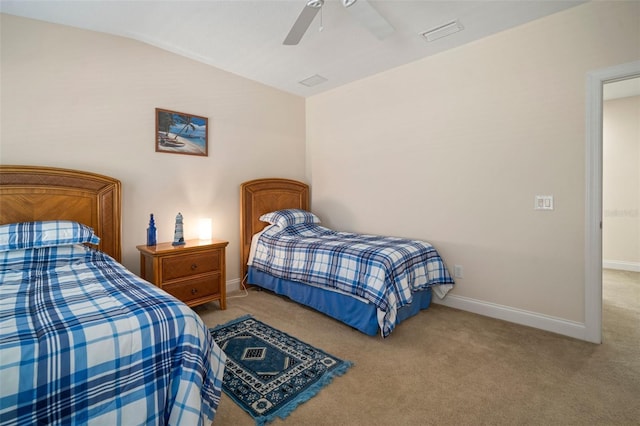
(268, 372)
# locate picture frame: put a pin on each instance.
(181, 133)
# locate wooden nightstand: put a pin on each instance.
(194, 272)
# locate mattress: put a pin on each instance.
(385, 271)
(85, 341)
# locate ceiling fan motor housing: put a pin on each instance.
(366, 14)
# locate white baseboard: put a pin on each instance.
(565, 327)
(518, 316)
(233, 285)
(621, 265)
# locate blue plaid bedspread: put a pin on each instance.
(383, 270)
(84, 341)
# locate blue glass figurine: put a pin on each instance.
(178, 236)
(152, 232)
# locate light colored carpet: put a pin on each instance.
(446, 366)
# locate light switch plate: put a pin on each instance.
(543, 202)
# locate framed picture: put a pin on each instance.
(181, 133)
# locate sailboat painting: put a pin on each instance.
(180, 133)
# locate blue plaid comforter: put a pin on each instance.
(84, 341)
(383, 270)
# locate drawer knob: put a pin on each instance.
(194, 291)
(194, 267)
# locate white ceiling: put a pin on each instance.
(245, 36)
(621, 89)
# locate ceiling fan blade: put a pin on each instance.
(370, 18)
(301, 25)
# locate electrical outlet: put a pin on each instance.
(543, 202)
(458, 271)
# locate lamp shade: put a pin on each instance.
(204, 228)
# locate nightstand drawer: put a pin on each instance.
(194, 272)
(195, 288)
(190, 264)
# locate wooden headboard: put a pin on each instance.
(261, 196)
(30, 193)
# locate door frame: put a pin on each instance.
(593, 200)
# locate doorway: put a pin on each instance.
(620, 179)
(593, 234)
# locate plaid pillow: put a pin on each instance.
(49, 233)
(286, 217)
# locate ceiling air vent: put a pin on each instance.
(314, 80)
(443, 30)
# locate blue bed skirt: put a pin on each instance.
(355, 313)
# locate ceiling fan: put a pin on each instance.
(361, 10)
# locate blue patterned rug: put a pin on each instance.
(269, 373)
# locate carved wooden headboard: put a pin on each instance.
(30, 193)
(261, 196)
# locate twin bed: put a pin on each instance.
(82, 339)
(370, 283)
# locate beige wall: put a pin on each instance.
(621, 183)
(451, 149)
(454, 148)
(86, 100)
